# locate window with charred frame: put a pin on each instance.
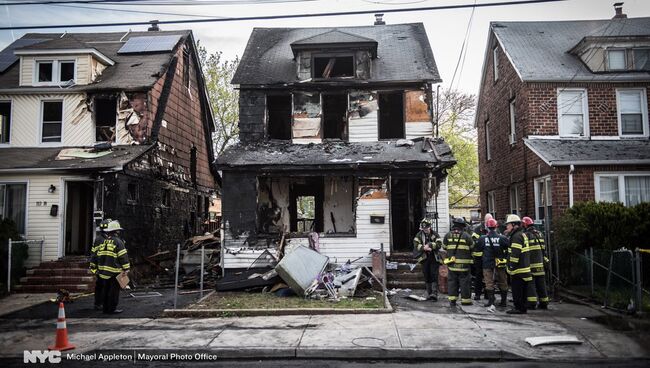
(306, 206)
(167, 197)
(333, 66)
(105, 119)
(133, 193)
(335, 108)
(278, 109)
(391, 115)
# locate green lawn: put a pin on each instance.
(243, 300)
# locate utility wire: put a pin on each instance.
(463, 50)
(285, 16)
(90, 7)
(153, 2)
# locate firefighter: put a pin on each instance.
(111, 259)
(493, 247)
(99, 282)
(459, 245)
(537, 293)
(477, 256)
(426, 246)
(518, 265)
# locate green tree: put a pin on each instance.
(224, 99)
(456, 123)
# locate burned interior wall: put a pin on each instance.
(363, 116)
(339, 204)
(361, 59)
(307, 113)
(133, 118)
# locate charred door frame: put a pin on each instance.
(315, 187)
(63, 197)
(408, 179)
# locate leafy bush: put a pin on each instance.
(602, 226)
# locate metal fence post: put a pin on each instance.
(9, 267)
(178, 258)
(609, 279)
(202, 261)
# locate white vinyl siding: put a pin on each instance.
(628, 188)
(572, 111)
(29, 72)
(632, 109)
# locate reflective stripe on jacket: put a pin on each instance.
(459, 244)
(518, 257)
(537, 249)
(421, 238)
(111, 258)
(493, 246)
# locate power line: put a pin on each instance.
(286, 16)
(463, 50)
(153, 2)
(90, 7)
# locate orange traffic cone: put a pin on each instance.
(62, 342)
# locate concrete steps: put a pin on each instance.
(70, 273)
(403, 277)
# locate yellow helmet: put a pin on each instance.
(512, 218)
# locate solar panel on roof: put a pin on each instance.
(149, 44)
(7, 56)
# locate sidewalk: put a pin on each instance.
(472, 333)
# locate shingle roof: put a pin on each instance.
(21, 158)
(403, 54)
(130, 72)
(280, 154)
(540, 50)
(564, 152)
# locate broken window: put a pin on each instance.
(167, 197)
(306, 206)
(391, 115)
(105, 119)
(335, 108)
(306, 116)
(279, 115)
(333, 66)
(133, 193)
(52, 121)
(5, 122)
(186, 67)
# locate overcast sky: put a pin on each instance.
(445, 28)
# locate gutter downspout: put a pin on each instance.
(571, 170)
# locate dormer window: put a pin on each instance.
(642, 59)
(333, 66)
(616, 59)
(54, 71)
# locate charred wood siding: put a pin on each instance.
(252, 115)
(239, 202)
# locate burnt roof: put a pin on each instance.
(403, 53)
(337, 154)
(28, 158)
(137, 71)
(564, 152)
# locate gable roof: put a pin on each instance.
(564, 152)
(131, 72)
(539, 51)
(334, 39)
(403, 53)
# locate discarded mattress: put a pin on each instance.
(552, 340)
(300, 268)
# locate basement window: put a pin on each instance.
(391, 115)
(279, 114)
(105, 119)
(333, 66)
(335, 108)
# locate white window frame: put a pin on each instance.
(585, 112)
(488, 154)
(56, 71)
(513, 131)
(621, 182)
(514, 200)
(11, 118)
(495, 62)
(624, 58)
(40, 125)
(549, 198)
(491, 202)
(644, 112)
(26, 182)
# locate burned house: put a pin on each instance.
(104, 125)
(335, 140)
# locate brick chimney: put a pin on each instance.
(618, 7)
(379, 21)
(154, 26)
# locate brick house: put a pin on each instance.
(562, 115)
(104, 125)
(335, 139)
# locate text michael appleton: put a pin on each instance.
(140, 356)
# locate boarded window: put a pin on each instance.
(279, 115)
(333, 67)
(105, 119)
(391, 115)
(5, 122)
(335, 108)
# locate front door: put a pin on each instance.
(79, 205)
(407, 209)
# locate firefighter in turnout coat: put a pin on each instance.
(537, 287)
(459, 246)
(426, 246)
(494, 246)
(518, 264)
(111, 259)
(99, 282)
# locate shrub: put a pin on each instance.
(19, 252)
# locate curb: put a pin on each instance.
(209, 313)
